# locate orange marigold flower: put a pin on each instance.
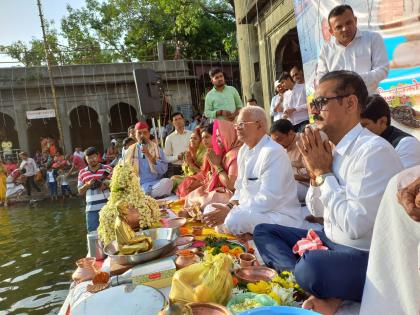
(251, 250)
(183, 230)
(224, 249)
(235, 281)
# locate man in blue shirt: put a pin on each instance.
(151, 163)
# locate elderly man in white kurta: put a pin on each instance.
(265, 190)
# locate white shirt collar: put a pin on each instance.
(347, 140)
(262, 141)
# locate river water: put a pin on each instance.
(38, 249)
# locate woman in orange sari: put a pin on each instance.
(221, 161)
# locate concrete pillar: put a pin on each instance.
(104, 122)
(65, 125)
(160, 51)
(21, 127)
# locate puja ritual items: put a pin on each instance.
(185, 258)
(184, 241)
(246, 259)
(194, 211)
(254, 274)
(157, 274)
(95, 248)
(125, 189)
(163, 240)
(216, 245)
(176, 222)
(282, 288)
(207, 281)
(197, 230)
(279, 310)
(198, 308)
(246, 301)
(85, 269)
(128, 241)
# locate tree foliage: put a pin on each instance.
(129, 30)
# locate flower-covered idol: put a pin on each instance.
(125, 187)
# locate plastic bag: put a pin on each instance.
(207, 281)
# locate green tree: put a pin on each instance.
(128, 30)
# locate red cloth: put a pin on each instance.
(141, 125)
(310, 242)
(78, 162)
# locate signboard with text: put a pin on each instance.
(40, 114)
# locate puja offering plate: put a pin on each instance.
(175, 223)
(198, 308)
(163, 240)
(255, 274)
(142, 300)
(184, 241)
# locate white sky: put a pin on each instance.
(19, 20)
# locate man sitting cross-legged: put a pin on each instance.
(346, 188)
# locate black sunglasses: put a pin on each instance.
(320, 102)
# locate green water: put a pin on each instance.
(38, 250)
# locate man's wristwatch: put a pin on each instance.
(319, 180)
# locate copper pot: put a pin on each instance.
(185, 259)
(85, 269)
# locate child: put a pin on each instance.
(65, 187)
(51, 180)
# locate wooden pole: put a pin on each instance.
(48, 59)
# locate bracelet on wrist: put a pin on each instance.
(230, 205)
(219, 170)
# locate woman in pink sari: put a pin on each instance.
(218, 185)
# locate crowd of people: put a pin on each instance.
(342, 177)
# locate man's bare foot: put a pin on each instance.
(323, 306)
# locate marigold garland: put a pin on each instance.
(125, 187)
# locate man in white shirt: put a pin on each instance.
(276, 107)
(264, 189)
(28, 168)
(294, 100)
(78, 152)
(346, 188)
(377, 118)
(352, 49)
(176, 144)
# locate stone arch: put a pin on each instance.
(85, 129)
(41, 128)
(287, 52)
(122, 116)
(8, 131)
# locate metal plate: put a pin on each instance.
(163, 240)
(142, 300)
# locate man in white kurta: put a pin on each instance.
(265, 190)
(393, 277)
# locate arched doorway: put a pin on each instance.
(41, 128)
(85, 130)
(122, 116)
(288, 52)
(8, 131)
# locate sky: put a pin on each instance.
(19, 20)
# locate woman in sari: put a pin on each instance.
(192, 159)
(3, 186)
(192, 182)
(223, 169)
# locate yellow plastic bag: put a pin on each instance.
(207, 281)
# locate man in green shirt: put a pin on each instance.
(223, 101)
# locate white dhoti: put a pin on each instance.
(393, 281)
(241, 220)
(162, 188)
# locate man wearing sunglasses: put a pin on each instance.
(347, 185)
(352, 49)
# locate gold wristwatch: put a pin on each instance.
(319, 180)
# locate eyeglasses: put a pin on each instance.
(320, 102)
(241, 125)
